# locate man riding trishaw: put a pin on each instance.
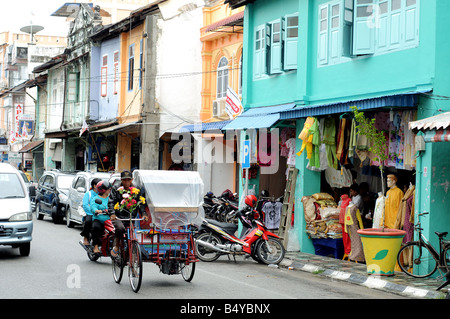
(116, 210)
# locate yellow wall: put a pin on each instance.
(130, 101)
(215, 46)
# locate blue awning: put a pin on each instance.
(259, 117)
(393, 101)
(201, 127)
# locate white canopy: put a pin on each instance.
(178, 194)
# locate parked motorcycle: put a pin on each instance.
(222, 208)
(215, 238)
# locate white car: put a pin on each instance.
(16, 222)
(80, 185)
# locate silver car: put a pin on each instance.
(80, 185)
(16, 224)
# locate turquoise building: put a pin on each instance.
(323, 56)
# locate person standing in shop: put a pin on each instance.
(356, 197)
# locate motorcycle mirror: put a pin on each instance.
(98, 201)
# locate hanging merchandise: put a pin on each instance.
(405, 214)
(329, 139)
(343, 140)
(290, 146)
(286, 134)
(345, 201)
(379, 211)
(353, 223)
(272, 213)
(353, 139)
(306, 137)
(338, 178)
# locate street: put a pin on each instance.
(58, 268)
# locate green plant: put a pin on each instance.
(366, 126)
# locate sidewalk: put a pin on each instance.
(356, 273)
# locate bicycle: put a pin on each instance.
(422, 257)
(129, 254)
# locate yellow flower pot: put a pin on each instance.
(381, 249)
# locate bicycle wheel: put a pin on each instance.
(135, 267)
(446, 254)
(188, 271)
(118, 263)
(416, 260)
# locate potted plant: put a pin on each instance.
(381, 245)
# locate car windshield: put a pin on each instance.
(10, 186)
(64, 181)
(24, 177)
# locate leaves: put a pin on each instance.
(367, 127)
(381, 254)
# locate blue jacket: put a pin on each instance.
(87, 201)
(102, 206)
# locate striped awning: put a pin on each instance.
(437, 122)
(435, 136)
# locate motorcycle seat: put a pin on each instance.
(227, 227)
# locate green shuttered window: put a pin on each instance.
(350, 28)
(276, 44)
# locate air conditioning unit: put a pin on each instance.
(219, 107)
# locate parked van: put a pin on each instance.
(16, 224)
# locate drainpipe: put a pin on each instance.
(64, 99)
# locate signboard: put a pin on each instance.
(246, 154)
(233, 105)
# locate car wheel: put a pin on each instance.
(39, 215)
(24, 249)
(69, 223)
(55, 217)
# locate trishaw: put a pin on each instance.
(174, 200)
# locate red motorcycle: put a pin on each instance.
(214, 238)
(107, 241)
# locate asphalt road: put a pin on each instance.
(58, 268)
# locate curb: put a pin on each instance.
(374, 282)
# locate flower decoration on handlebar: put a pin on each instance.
(130, 199)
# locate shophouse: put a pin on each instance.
(222, 40)
(20, 54)
(384, 56)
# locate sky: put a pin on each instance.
(15, 14)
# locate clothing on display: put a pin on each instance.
(405, 214)
(345, 201)
(353, 223)
(379, 211)
(272, 213)
(393, 200)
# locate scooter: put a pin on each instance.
(215, 239)
(107, 241)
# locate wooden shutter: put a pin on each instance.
(291, 42)
(276, 47)
(322, 54)
(412, 22)
(364, 27)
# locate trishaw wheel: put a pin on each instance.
(117, 266)
(135, 267)
(188, 271)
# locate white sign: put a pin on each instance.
(233, 105)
